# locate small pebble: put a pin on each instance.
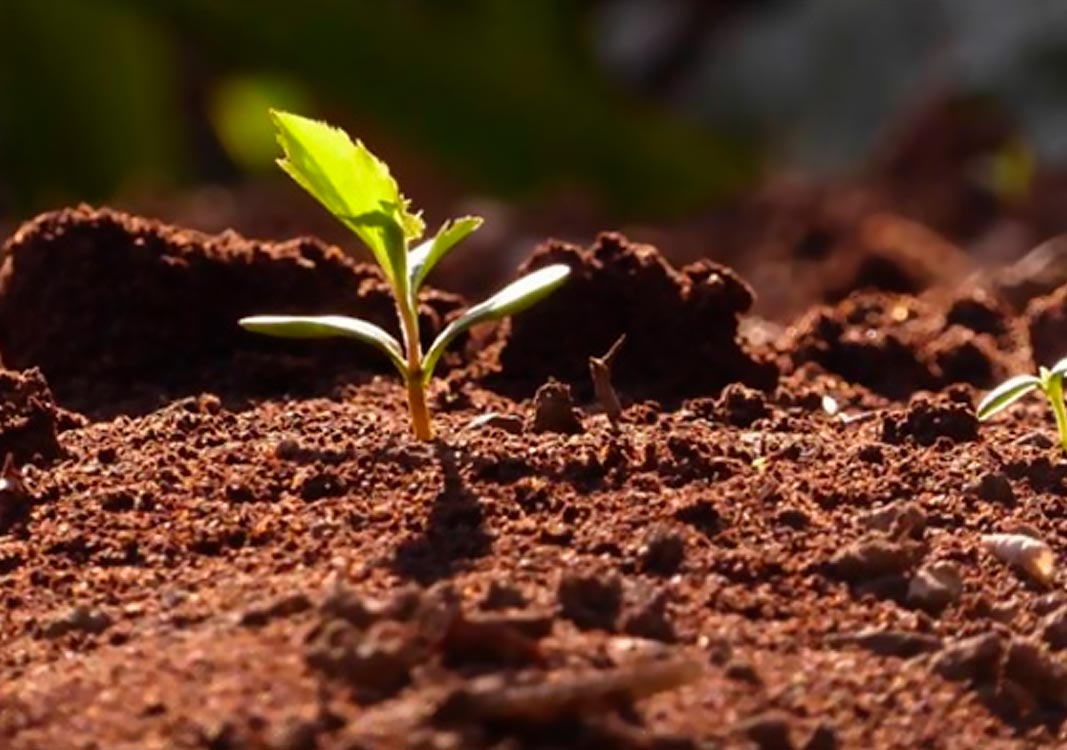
(823, 738)
(663, 552)
(994, 487)
(650, 618)
(287, 449)
(769, 731)
(591, 601)
(743, 671)
(873, 558)
(1037, 671)
(554, 410)
(80, 618)
(793, 518)
(970, 658)
(934, 587)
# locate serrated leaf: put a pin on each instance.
(353, 184)
(423, 258)
(514, 298)
(327, 326)
(1006, 394)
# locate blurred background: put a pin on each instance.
(816, 145)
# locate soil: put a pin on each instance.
(215, 541)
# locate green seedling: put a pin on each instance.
(1048, 380)
(356, 187)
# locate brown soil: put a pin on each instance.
(215, 541)
(102, 302)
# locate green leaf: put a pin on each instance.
(1060, 368)
(327, 326)
(1006, 394)
(422, 259)
(353, 184)
(513, 298)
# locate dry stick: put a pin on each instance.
(600, 372)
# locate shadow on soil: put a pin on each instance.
(454, 529)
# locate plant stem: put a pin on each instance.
(1055, 397)
(420, 412)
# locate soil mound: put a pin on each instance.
(1046, 320)
(898, 344)
(892, 254)
(680, 325)
(813, 243)
(98, 296)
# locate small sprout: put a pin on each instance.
(356, 187)
(1048, 381)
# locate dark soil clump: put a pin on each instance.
(680, 326)
(1046, 319)
(897, 345)
(100, 297)
(927, 419)
(28, 417)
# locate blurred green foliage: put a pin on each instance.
(87, 101)
(236, 108)
(102, 95)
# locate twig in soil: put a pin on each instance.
(600, 372)
(857, 418)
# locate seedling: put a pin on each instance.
(1048, 381)
(356, 187)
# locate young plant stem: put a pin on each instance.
(420, 412)
(1055, 397)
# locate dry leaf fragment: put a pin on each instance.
(1031, 555)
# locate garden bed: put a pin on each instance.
(220, 541)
